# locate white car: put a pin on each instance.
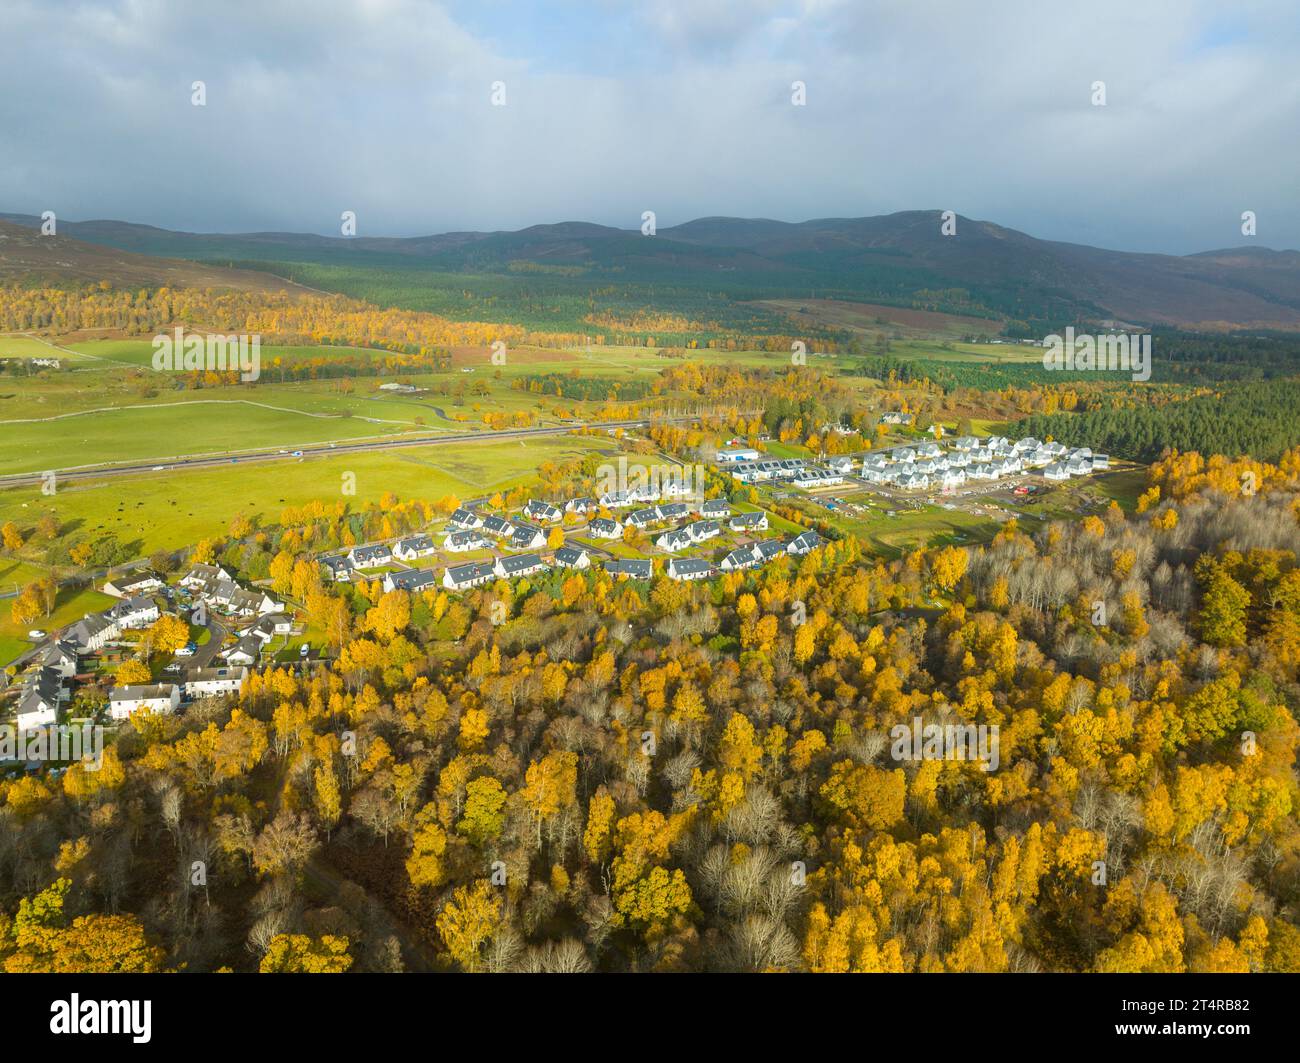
(36, 633)
(185, 651)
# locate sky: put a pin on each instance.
(685, 107)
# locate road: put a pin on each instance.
(315, 451)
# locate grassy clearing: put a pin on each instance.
(178, 507)
(72, 605)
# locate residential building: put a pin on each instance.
(465, 519)
(749, 522)
(153, 697)
(130, 584)
(337, 568)
(412, 580)
(527, 537)
(536, 509)
(214, 682)
(459, 541)
(572, 557)
(463, 577)
(804, 543)
(630, 568)
(412, 547)
(373, 556)
(519, 565)
(689, 568)
(603, 528)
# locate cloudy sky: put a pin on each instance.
(384, 107)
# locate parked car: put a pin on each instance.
(36, 633)
(186, 651)
(303, 650)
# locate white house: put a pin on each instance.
(458, 542)
(527, 537)
(603, 528)
(740, 558)
(154, 697)
(749, 522)
(463, 577)
(735, 454)
(412, 547)
(689, 568)
(702, 530)
(130, 584)
(412, 580)
(93, 632)
(572, 557)
(370, 556)
(804, 543)
(135, 613)
(520, 565)
(337, 567)
(1056, 471)
(677, 539)
(536, 509)
(212, 682)
(465, 519)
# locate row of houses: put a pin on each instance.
(478, 573)
(793, 470)
(123, 701)
(928, 465)
(217, 588)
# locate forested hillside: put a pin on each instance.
(579, 774)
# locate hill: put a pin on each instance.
(985, 270)
(30, 258)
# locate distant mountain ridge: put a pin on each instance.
(898, 258)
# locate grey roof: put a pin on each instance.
(604, 524)
(525, 534)
(372, 553)
(716, 507)
(769, 548)
(464, 516)
(690, 565)
(569, 555)
(415, 542)
(87, 628)
(521, 562)
(497, 525)
(475, 570)
(636, 568)
(249, 644)
(413, 579)
(337, 563)
(748, 518)
(460, 538)
(203, 675)
(808, 540)
(673, 509)
(144, 692)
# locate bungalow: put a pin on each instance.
(251, 603)
(465, 519)
(804, 543)
(62, 657)
(731, 455)
(630, 568)
(271, 625)
(689, 568)
(372, 556)
(521, 565)
(1056, 471)
(678, 539)
(1100, 461)
(642, 518)
(246, 651)
(498, 527)
(338, 568)
(572, 557)
(702, 530)
(527, 537)
(581, 505)
(952, 478)
(203, 575)
(536, 509)
(153, 697)
(716, 509)
(462, 577)
(755, 521)
(740, 558)
(415, 546)
(213, 682)
(768, 549)
(460, 541)
(135, 613)
(129, 584)
(672, 511)
(411, 580)
(93, 632)
(616, 499)
(35, 710)
(603, 528)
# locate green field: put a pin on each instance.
(179, 507)
(71, 606)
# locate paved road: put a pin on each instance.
(316, 451)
